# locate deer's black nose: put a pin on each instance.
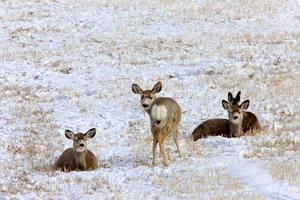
(145, 105)
(235, 117)
(158, 121)
(82, 145)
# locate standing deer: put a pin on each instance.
(165, 116)
(240, 121)
(78, 157)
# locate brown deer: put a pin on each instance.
(212, 127)
(241, 121)
(78, 157)
(165, 116)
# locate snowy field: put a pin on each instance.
(70, 65)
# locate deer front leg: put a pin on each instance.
(176, 140)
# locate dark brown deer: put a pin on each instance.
(241, 122)
(212, 127)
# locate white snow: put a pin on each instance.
(70, 65)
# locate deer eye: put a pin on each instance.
(76, 140)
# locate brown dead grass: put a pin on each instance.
(268, 146)
(35, 144)
(212, 181)
(287, 171)
(189, 9)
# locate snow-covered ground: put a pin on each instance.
(70, 65)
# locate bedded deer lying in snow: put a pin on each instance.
(229, 127)
(165, 116)
(212, 127)
(78, 157)
(241, 121)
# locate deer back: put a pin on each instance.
(165, 113)
(66, 161)
(250, 122)
(91, 161)
(212, 127)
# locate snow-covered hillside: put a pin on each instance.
(70, 65)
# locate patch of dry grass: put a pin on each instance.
(124, 48)
(286, 171)
(39, 134)
(211, 181)
(242, 9)
(210, 8)
(141, 52)
(270, 145)
(192, 182)
(34, 143)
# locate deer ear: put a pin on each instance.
(230, 97)
(238, 97)
(225, 105)
(245, 104)
(69, 134)
(136, 89)
(91, 133)
(157, 88)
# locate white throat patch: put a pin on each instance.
(235, 121)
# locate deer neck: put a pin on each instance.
(148, 111)
(236, 129)
(80, 159)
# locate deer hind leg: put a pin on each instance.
(176, 140)
(162, 148)
(154, 150)
(163, 153)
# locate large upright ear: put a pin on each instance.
(136, 89)
(156, 88)
(69, 134)
(230, 97)
(238, 97)
(245, 104)
(91, 133)
(226, 105)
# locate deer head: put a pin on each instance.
(235, 111)
(147, 96)
(80, 139)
